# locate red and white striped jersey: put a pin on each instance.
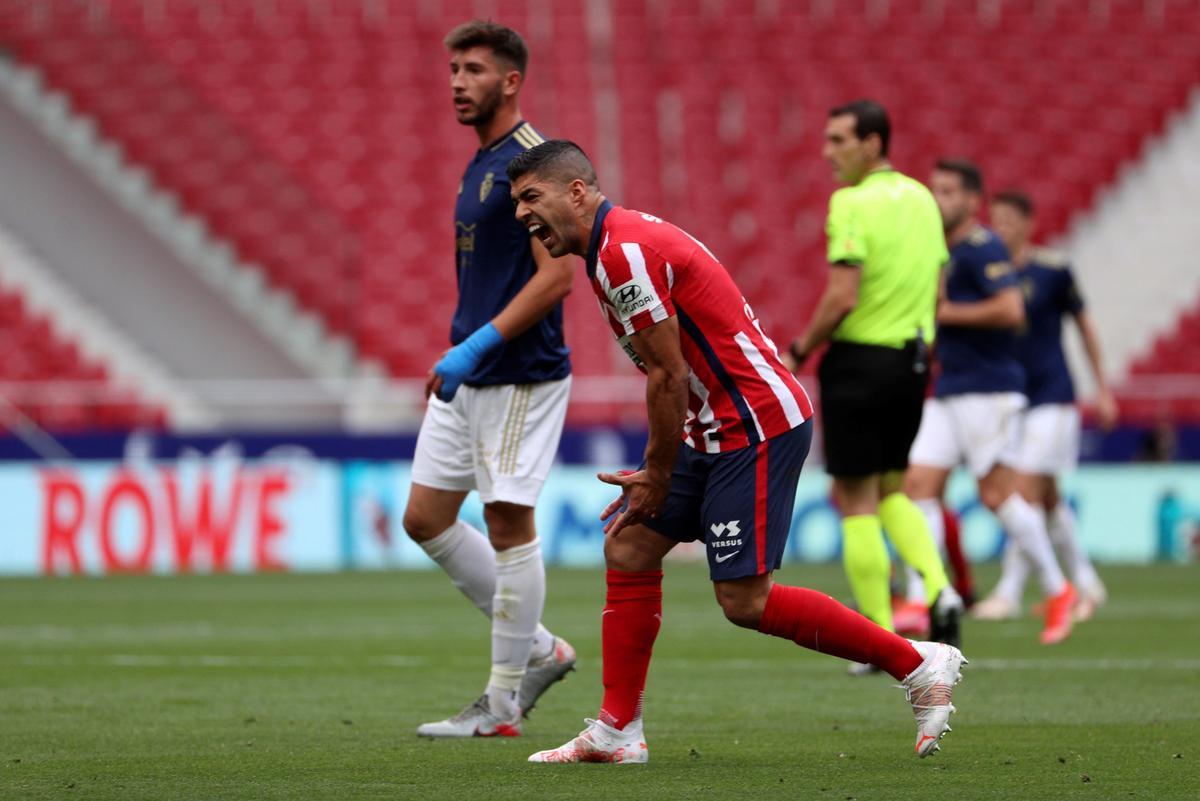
(644, 270)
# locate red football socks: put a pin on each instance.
(963, 581)
(816, 621)
(629, 626)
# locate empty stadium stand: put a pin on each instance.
(56, 387)
(317, 137)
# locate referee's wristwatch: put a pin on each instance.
(798, 355)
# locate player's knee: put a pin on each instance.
(857, 495)
(620, 555)
(918, 486)
(891, 482)
(744, 612)
(508, 525)
(742, 606)
(1050, 497)
(993, 497)
(419, 527)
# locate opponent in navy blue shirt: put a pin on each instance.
(977, 358)
(1050, 426)
(974, 418)
(1050, 293)
(494, 261)
(497, 400)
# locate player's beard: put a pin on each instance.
(485, 108)
(954, 219)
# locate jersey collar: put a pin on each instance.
(877, 171)
(594, 243)
(504, 138)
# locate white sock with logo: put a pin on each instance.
(516, 610)
(1027, 527)
(466, 555)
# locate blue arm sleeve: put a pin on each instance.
(464, 357)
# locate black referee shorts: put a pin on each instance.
(871, 401)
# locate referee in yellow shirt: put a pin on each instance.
(886, 253)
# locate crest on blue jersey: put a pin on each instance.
(485, 188)
(997, 269)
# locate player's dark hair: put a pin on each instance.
(557, 158)
(1017, 199)
(966, 170)
(506, 44)
(869, 118)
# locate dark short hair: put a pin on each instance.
(506, 44)
(1016, 198)
(966, 170)
(556, 158)
(869, 118)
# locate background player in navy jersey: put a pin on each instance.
(497, 399)
(1050, 429)
(974, 415)
(715, 381)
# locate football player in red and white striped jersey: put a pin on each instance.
(729, 431)
(644, 271)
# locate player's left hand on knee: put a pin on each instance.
(641, 498)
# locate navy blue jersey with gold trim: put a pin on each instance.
(1050, 293)
(978, 359)
(494, 260)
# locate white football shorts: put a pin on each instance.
(499, 440)
(979, 430)
(1049, 439)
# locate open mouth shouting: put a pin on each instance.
(542, 231)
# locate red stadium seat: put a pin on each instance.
(318, 140)
(71, 393)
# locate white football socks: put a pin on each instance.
(516, 610)
(1061, 524)
(1014, 572)
(932, 509)
(1027, 527)
(466, 555)
(914, 586)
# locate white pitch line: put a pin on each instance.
(215, 661)
(405, 661)
(979, 663)
(169, 632)
(1070, 663)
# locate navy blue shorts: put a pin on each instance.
(739, 503)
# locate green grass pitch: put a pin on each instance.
(310, 686)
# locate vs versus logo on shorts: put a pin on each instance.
(730, 531)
